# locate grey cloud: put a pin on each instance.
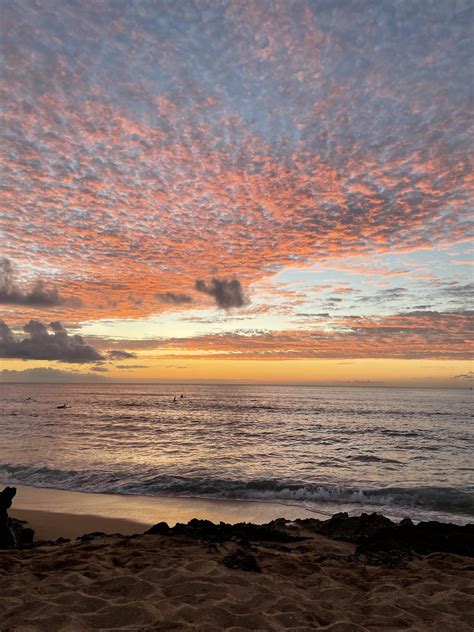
(132, 366)
(117, 354)
(226, 292)
(47, 374)
(457, 292)
(385, 296)
(41, 345)
(174, 298)
(465, 376)
(38, 296)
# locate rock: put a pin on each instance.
(307, 523)
(423, 538)
(86, 537)
(207, 531)
(7, 537)
(241, 560)
(389, 559)
(12, 532)
(161, 528)
(23, 536)
(354, 529)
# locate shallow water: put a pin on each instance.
(399, 451)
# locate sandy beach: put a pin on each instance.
(54, 513)
(169, 581)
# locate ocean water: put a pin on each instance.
(398, 451)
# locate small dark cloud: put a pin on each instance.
(99, 369)
(465, 376)
(457, 293)
(174, 298)
(39, 344)
(227, 293)
(385, 296)
(132, 366)
(38, 296)
(117, 354)
(47, 374)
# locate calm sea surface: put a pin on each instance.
(398, 451)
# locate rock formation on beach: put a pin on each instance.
(374, 533)
(12, 532)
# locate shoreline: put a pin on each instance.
(144, 509)
(111, 512)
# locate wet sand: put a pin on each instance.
(132, 514)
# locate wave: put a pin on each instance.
(418, 500)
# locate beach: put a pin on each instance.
(180, 581)
(55, 513)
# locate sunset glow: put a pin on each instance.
(252, 191)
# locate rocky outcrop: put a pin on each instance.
(7, 539)
(207, 531)
(376, 535)
(13, 533)
(354, 529)
(422, 538)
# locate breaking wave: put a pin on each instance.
(417, 500)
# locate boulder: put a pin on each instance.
(356, 529)
(241, 560)
(13, 533)
(7, 538)
(423, 538)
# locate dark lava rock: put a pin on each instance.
(7, 538)
(23, 535)
(423, 538)
(377, 535)
(312, 524)
(86, 537)
(208, 531)
(354, 529)
(241, 560)
(12, 532)
(161, 528)
(389, 559)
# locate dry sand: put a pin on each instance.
(178, 584)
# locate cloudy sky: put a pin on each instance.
(265, 190)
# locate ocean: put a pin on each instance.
(401, 452)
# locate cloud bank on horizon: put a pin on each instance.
(291, 173)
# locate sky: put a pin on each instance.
(260, 191)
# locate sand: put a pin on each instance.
(174, 583)
(153, 582)
(140, 512)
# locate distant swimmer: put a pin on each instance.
(181, 396)
(28, 399)
(63, 406)
(174, 399)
